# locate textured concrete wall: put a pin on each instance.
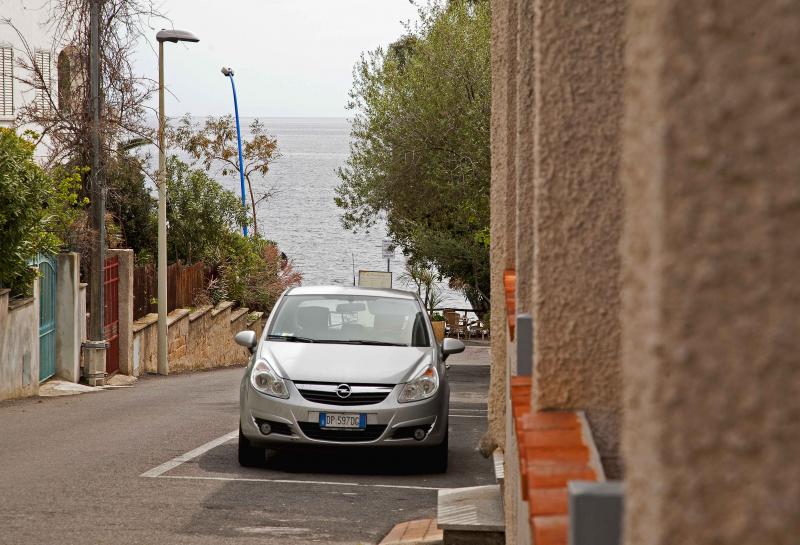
(19, 345)
(125, 308)
(502, 225)
(68, 317)
(711, 299)
(578, 212)
(524, 152)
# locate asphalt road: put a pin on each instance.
(71, 470)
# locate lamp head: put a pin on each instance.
(227, 71)
(175, 36)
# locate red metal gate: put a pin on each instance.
(111, 313)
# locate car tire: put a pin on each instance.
(438, 458)
(249, 456)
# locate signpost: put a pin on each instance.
(387, 252)
(377, 279)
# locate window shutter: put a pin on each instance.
(6, 81)
(44, 64)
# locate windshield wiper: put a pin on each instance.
(290, 338)
(371, 343)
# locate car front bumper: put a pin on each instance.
(389, 423)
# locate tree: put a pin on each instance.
(131, 205)
(214, 144)
(61, 109)
(201, 213)
(425, 280)
(36, 210)
(420, 152)
(205, 222)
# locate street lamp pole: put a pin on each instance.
(228, 72)
(162, 36)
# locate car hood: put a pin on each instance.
(359, 364)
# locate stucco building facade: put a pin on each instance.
(26, 37)
(645, 213)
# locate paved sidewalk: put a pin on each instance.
(415, 532)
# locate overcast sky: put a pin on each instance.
(290, 57)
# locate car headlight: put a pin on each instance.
(422, 386)
(266, 381)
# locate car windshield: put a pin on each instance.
(349, 319)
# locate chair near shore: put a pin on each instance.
(456, 327)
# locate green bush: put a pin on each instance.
(437, 317)
(36, 210)
(202, 215)
(254, 273)
(205, 222)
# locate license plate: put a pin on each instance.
(349, 421)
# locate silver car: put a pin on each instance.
(345, 366)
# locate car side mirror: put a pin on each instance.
(452, 346)
(246, 338)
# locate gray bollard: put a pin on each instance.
(524, 345)
(595, 512)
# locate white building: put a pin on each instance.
(24, 30)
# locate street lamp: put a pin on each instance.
(228, 73)
(162, 36)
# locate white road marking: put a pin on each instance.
(202, 449)
(294, 481)
(178, 460)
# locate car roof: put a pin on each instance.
(352, 290)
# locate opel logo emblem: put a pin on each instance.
(343, 391)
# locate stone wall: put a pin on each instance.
(199, 339)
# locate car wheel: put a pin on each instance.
(249, 456)
(438, 458)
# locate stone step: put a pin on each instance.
(472, 516)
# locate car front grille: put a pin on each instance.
(313, 431)
(360, 394)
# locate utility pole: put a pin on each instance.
(95, 361)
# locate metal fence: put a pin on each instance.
(185, 283)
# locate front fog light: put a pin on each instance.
(420, 387)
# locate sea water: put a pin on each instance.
(302, 216)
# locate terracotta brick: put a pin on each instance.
(521, 380)
(553, 438)
(556, 474)
(551, 420)
(550, 530)
(548, 501)
(563, 454)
